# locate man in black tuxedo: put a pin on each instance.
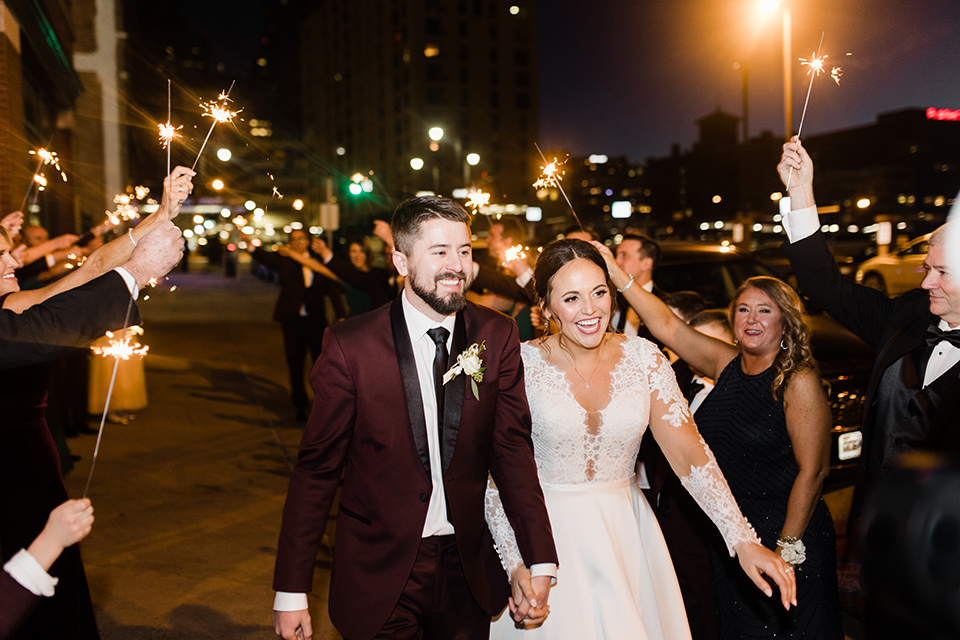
(301, 311)
(913, 396)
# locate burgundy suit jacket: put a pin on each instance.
(367, 422)
(15, 603)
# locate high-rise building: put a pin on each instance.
(430, 95)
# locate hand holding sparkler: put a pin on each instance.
(796, 171)
(12, 222)
(156, 253)
(177, 186)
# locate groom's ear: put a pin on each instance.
(400, 262)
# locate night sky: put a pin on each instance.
(631, 77)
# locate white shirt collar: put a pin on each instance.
(418, 323)
(648, 286)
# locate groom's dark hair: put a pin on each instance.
(408, 217)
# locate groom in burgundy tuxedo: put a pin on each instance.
(413, 556)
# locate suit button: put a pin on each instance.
(424, 497)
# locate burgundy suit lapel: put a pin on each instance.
(411, 381)
(453, 395)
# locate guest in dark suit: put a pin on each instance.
(414, 557)
(24, 580)
(369, 287)
(638, 256)
(913, 395)
(301, 311)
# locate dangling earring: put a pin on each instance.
(736, 342)
(783, 345)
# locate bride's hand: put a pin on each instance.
(757, 561)
(528, 602)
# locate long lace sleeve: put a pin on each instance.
(500, 529)
(690, 457)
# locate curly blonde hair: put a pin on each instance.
(795, 353)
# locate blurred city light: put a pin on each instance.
(197, 219)
(621, 209)
(473, 159)
(534, 214)
(768, 6)
(597, 158)
(863, 203)
(716, 199)
(217, 184)
(249, 205)
(225, 212)
(224, 155)
(298, 204)
(435, 133)
(416, 164)
(355, 188)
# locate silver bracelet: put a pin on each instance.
(130, 235)
(627, 286)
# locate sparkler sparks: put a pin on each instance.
(550, 175)
(47, 158)
(41, 181)
(124, 346)
(218, 111)
(276, 192)
(836, 73)
(515, 252)
(815, 63)
(167, 133)
(478, 199)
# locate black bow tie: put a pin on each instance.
(935, 335)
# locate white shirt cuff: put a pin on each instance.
(130, 281)
(50, 260)
(286, 601)
(544, 569)
(525, 278)
(801, 223)
(25, 569)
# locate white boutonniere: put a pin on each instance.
(471, 363)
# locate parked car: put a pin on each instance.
(896, 272)
(849, 254)
(845, 361)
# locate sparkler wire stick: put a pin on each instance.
(814, 72)
(224, 97)
(106, 406)
(562, 192)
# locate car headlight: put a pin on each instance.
(859, 276)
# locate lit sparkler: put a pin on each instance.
(40, 180)
(550, 177)
(123, 346)
(141, 192)
(218, 111)
(515, 252)
(44, 157)
(276, 192)
(167, 133)
(815, 64)
(478, 199)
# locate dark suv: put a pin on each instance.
(845, 361)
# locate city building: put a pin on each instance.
(421, 95)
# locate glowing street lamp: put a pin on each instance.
(217, 184)
(435, 133)
(473, 159)
(769, 6)
(416, 164)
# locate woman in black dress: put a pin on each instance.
(768, 424)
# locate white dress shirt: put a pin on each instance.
(698, 399)
(803, 223)
(25, 569)
(629, 329)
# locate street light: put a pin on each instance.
(416, 164)
(473, 159)
(435, 133)
(768, 6)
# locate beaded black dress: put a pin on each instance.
(746, 429)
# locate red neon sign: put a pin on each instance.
(950, 115)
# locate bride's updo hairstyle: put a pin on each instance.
(560, 252)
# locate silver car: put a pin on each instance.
(896, 272)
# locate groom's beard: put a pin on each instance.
(444, 305)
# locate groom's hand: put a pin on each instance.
(529, 600)
(293, 625)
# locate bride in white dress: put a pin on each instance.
(592, 395)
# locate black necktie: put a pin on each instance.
(935, 335)
(439, 336)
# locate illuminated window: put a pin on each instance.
(431, 51)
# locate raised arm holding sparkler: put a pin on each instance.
(120, 252)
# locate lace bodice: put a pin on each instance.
(573, 446)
